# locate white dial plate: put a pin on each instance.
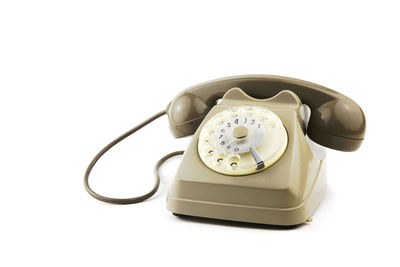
(242, 140)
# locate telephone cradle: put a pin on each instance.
(258, 155)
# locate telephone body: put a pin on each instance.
(285, 193)
(258, 155)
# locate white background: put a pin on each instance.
(76, 74)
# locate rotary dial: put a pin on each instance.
(242, 140)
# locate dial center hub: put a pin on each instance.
(240, 132)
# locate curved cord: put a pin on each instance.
(108, 147)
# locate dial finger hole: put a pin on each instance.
(209, 151)
(220, 121)
(233, 162)
(220, 158)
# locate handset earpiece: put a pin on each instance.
(336, 121)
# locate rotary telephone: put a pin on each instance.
(258, 155)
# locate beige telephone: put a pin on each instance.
(256, 156)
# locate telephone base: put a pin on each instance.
(252, 214)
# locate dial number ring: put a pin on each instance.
(243, 140)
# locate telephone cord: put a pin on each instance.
(112, 144)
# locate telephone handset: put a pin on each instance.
(336, 121)
(258, 155)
